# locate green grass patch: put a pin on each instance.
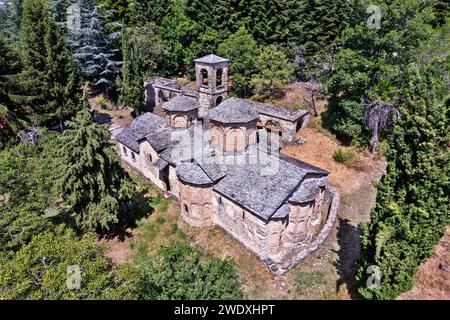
(345, 156)
(308, 282)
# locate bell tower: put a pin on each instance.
(212, 81)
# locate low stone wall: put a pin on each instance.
(300, 253)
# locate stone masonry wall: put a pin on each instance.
(240, 224)
(174, 182)
(147, 158)
(196, 204)
(126, 154)
(234, 138)
(288, 128)
(181, 119)
(297, 253)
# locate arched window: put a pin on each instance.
(219, 100)
(149, 158)
(186, 209)
(125, 153)
(133, 156)
(204, 76)
(219, 73)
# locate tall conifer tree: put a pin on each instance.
(95, 185)
(132, 88)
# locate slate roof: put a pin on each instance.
(262, 194)
(181, 104)
(160, 164)
(267, 109)
(232, 111)
(305, 193)
(210, 59)
(144, 125)
(192, 173)
(160, 140)
(248, 184)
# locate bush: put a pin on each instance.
(181, 272)
(344, 156)
(101, 102)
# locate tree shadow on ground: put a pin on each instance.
(348, 237)
(139, 208)
(102, 118)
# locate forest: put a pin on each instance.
(383, 67)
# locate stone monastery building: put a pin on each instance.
(220, 158)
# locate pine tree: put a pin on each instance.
(95, 185)
(143, 12)
(92, 48)
(9, 111)
(49, 83)
(412, 210)
(132, 88)
(33, 28)
(61, 76)
(10, 16)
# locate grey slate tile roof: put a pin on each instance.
(160, 164)
(160, 140)
(233, 111)
(248, 186)
(268, 109)
(211, 58)
(266, 196)
(282, 212)
(142, 126)
(307, 191)
(192, 173)
(181, 104)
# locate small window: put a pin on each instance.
(243, 215)
(186, 209)
(219, 100)
(149, 158)
(204, 76)
(133, 156)
(219, 77)
(220, 200)
(125, 151)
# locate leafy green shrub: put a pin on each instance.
(344, 156)
(101, 102)
(181, 272)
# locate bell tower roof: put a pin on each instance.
(211, 59)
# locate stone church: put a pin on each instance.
(219, 157)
